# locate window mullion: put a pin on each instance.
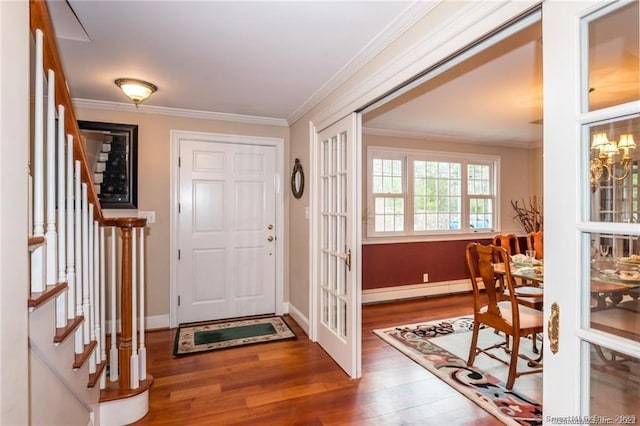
(408, 195)
(465, 196)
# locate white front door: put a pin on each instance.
(591, 105)
(336, 246)
(226, 230)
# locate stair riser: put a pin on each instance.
(58, 358)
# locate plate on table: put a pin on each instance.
(521, 260)
(628, 276)
(634, 258)
(528, 291)
(535, 271)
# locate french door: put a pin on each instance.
(337, 311)
(591, 120)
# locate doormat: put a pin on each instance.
(202, 337)
(441, 347)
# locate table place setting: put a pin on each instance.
(528, 259)
(529, 291)
(631, 276)
(633, 259)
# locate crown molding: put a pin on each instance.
(372, 131)
(403, 22)
(177, 112)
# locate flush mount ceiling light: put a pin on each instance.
(136, 90)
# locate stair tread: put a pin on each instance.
(80, 359)
(94, 377)
(38, 298)
(35, 242)
(63, 332)
(113, 391)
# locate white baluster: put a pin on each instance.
(61, 300)
(95, 301)
(37, 256)
(113, 353)
(79, 343)
(90, 319)
(86, 276)
(135, 378)
(102, 334)
(29, 197)
(51, 236)
(71, 263)
(142, 353)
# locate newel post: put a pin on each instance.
(126, 225)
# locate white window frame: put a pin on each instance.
(408, 156)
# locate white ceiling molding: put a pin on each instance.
(412, 14)
(446, 138)
(177, 112)
(451, 35)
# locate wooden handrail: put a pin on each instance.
(39, 19)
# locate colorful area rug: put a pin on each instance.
(442, 347)
(201, 337)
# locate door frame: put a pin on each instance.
(278, 143)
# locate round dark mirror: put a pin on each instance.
(297, 180)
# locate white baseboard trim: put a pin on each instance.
(157, 321)
(415, 290)
(302, 320)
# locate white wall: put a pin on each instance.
(14, 137)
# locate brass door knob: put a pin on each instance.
(270, 238)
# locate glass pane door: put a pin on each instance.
(610, 229)
(592, 229)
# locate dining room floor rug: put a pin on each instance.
(201, 337)
(442, 347)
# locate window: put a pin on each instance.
(389, 202)
(424, 192)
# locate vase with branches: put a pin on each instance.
(529, 214)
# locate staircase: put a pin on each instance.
(86, 286)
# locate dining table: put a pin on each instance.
(608, 284)
(608, 288)
(531, 275)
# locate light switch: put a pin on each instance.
(306, 212)
(150, 216)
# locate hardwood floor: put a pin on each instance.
(297, 383)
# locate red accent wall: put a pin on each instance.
(389, 265)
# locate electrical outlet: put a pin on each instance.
(425, 278)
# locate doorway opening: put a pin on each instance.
(443, 159)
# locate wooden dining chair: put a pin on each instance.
(534, 242)
(508, 241)
(507, 316)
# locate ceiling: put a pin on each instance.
(494, 97)
(277, 59)
(255, 58)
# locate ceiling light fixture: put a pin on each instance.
(136, 90)
(603, 165)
